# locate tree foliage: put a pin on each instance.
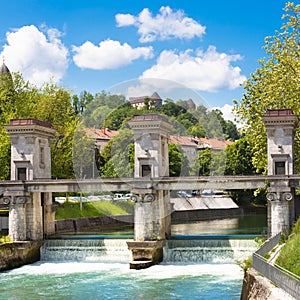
(202, 164)
(178, 162)
(118, 156)
(274, 85)
(50, 103)
(71, 150)
(113, 112)
(239, 158)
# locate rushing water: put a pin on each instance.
(97, 268)
(45, 280)
(89, 269)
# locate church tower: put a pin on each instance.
(4, 71)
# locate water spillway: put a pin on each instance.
(209, 250)
(176, 250)
(97, 250)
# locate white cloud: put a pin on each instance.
(228, 114)
(165, 25)
(227, 111)
(125, 20)
(204, 71)
(108, 55)
(39, 55)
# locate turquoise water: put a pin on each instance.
(205, 280)
(50, 280)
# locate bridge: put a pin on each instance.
(29, 192)
(244, 182)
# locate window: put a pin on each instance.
(42, 155)
(21, 174)
(146, 171)
(279, 167)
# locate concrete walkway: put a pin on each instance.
(209, 202)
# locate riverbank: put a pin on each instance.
(256, 287)
(17, 254)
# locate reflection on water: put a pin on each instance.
(256, 224)
(250, 224)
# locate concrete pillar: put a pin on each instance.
(279, 209)
(280, 127)
(144, 219)
(17, 216)
(48, 214)
(152, 209)
(30, 159)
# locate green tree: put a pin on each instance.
(83, 154)
(4, 154)
(62, 151)
(85, 99)
(119, 117)
(274, 85)
(202, 163)
(197, 130)
(239, 158)
(178, 162)
(118, 156)
(239, 162)
(20, 99)
(98, 110)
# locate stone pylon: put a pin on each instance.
(280, 127)
(31, 215)
(152, 209)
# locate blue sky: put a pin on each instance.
(209, 47)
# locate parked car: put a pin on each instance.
(60, 199)
(207, 192)
(126, 196)
(219, 193)
(184, 194)
(95, 198)
(195, 193)
(118, 196)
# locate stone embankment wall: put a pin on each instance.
(83, 224)
(258, 287)
(17, 254)
(208, 214)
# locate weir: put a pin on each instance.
(226, 250)
(96, 250)
(209, 250)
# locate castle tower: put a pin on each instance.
(280, 127)
(30, 214)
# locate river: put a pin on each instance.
(197, 265)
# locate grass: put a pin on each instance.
(290, 253)
(93, 209)
(4, 239)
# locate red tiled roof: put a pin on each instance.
(183, 140)
(102, 133)
(141, 99)
(107, 134)
(214, 143)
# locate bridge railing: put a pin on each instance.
(281, 277)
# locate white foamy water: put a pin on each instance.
(93, 281)
(162, 271)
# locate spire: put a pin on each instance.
(4, 69)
